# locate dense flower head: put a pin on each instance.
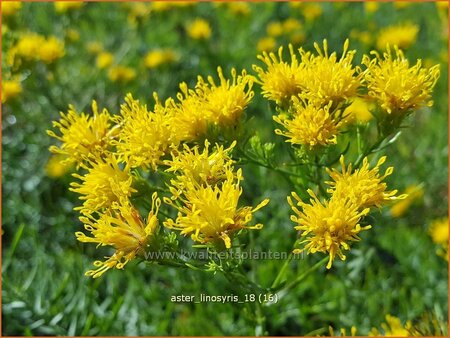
(210, 213)
(402, 36)
(396, 86)
(199, 168)
(281, 80)
(226, 101)
(439, 234)
(144, 136)
(363, 186)
(123, 229)
(327, 227)
(82, 136)
(10, 89)
(309, 125)
(104, 185)
(104, 60)
(326, 78)
(199, 29)
(393, 327)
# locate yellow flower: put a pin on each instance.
(83, 137)
(359, 111)
(266, 44)
(65, 6)
(9, 8)
(160, 6)
(311, 11)
(274, 29)
(104, 60)
(226, 101)
(327, 227)
(211, 213)
(324, 78)
(124, 230)
(393, 327)
(28, 46)
(402, 4)
(94, 47)
(73, 35)
(413, 193)
(121, 74)
(309, 126)
(144, 136)
(10, 89)
(371, 6)
(188, 118)
(199, 168)
(159, 57)
(104, 185)
(238, 8)
(401, 36)
(199, 29)
(343, 332)
(281, 80)
(51, 50)
(439, 231)
(138, 11)
(363, 186)
(398, 87)
(364, 37)
(291, 25)
(57, 167)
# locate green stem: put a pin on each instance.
(294, 283)
(282, 272)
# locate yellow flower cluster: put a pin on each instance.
(199, 29)
(329, 226)
(399, 88)
(402, 36)
(35, 47)
(290, 29)
(208, 189)
(438, 230)
(393, 327)
(66, 6)
(313, 93)
(9, 8)
(10, 89)
(159, 57)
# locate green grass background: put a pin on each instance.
(393, 270)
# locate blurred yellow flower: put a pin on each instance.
(402, 4)
(402, 36)
(199, 168)
(51, 49)
(238, 8)
(310, 126)
(9, 8)
(311, 11)
(159, 57)
(266, 44)
(104, 60)
(199, 29)
(327, 227)
(363, 186)
(10, 89)
(28, 46)
(121, 74)
(65, 6)
(57, 166)
(291, 25)
(138, 11)
(144, 137)
(413, 193)
(104, 185)
(392, 327)
(124, 230)
(371, 6)
(364, 37)
(274, 29)
(211, 213)
(83, 137)
(281, 80)
(160, 6)
(398, 87)
(358, 111)
(73, 35)
(439, 231)
(94, 47)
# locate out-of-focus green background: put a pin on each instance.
(393, 270)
